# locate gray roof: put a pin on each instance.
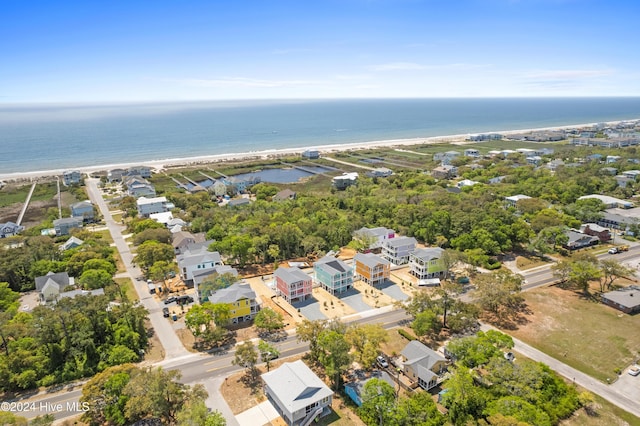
(60, 279)
(291, 275)
(575, 236)
(375, 232)
(419, 354)
(67, 220)
(401, 241)
(220, 269)
(74, 293)
(233, 293)
(628, 297)
(427, 254)
(284, 195)
(296, 386)
(371, 260)
(73, 241)
(81, 204)
(197, 253)
(332, 265)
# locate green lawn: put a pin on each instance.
(127, 288)
(606, 414)
(12, 194)
(584, 334)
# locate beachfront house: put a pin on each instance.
(241, 299)
(373, 238)
(293, 284)
(147, 206)
(380, 172)
(311, 154)
(372, 269)
(71, 177)
(297, 393)
(66, 224)
(426, 263)
(9, 229)
(397, 250)
(471, 152)
(142, 171)
(333, 275)
(115, 175)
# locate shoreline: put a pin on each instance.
(265, 154)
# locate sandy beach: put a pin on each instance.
(256, 155)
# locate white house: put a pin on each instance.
(297, 393)
(148, 206)
(397, 250)
(374, 236)
(196, 259)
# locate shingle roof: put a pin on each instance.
(371, 260)
(296, 386)
(291, 275)
(332, 265)
(427, 254)
(61, 279)
(419, 354)
(401, 241)
(233, 293)
(628, 297)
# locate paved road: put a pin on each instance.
(171, 344)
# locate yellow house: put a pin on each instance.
(372, 269)
(241, 299)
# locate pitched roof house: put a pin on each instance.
(333, 274)
(285, 194)
(66, 224)
(83, 209)
(9, 229)
(241, 299)
(427, 263)
(372, 269)
(374, 237)
(293, 284)
(397, 250)
(422, 364)
(51, 285)
(297, 393)
(195, 258)
(579, 240)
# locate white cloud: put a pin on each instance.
(243, 82)
(413, 66)
(567, 74)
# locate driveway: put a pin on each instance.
(310, 308)
(628, 385)
(392, 290)
(354, 299)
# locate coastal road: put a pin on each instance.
(171, 344)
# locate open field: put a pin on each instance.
(591, 337)
(606, 414)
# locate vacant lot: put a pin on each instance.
(581, 332)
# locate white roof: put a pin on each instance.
(163, 217)
(145, 200)
(606, 199)
(296, 386)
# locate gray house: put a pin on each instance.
(66, 224)
(51, 285)
(71, 177)
(83, 209)
(9, 229)
(297, 393)
(397, 250)
(422, 364)
(625, 299)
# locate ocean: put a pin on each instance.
(48, 137)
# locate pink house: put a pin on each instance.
(293, 284)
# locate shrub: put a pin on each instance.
(406, 335)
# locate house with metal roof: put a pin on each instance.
(293, 284)
(333, 275)
(372, 269)
(297, 393)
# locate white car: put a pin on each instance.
(382, 362)
(634, 371)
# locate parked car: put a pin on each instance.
(165, 312)
(170, 300)
(634, 371)
(382, 362)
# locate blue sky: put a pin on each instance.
(66, 51)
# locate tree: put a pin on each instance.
(215, 282)
(162, 235)
(499, 293)
(378, 403)
(104, 396)
(9, 299)
(334, 354)
(101, 264)
(426, 323)
(365, 340)
(268, 352)
(462, 398)
(247, 357)
(95, 278)
(474, 351)
(269, 320)
(161, 269)
(309, 331)
(196, 413)
(611, 270)
(157, 393)
(151, 252)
